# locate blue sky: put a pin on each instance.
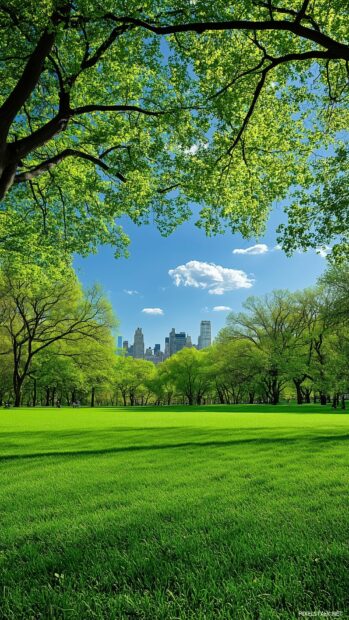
(142, 281)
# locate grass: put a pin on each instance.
(173, 513)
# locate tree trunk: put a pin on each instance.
(48, 391)
(190, 399)
(343, 402)
(34, 393)
(323, 399)
(275, 392)
(93, 396)
(17, 391)
(306, 393)
(53, 394)
(17, 387)
(298, 383)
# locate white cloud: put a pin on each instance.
(154, 311)
(215, 278)
(259, 248)
(221, 308)
(323, 251)
(130, 292)
(192, 150)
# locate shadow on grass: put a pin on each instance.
(306, 408)
(259, 442)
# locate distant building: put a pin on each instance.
(148, 355)
(176, 341)
(188, 342)
(167, 347)
(125, 345)
(205, 335)
(119, 346)
(138, 344)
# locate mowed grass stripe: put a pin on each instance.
(173, 513)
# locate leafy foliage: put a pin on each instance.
(110, 110)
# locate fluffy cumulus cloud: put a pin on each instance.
(259, 248)
(154, 311)
(215, 278)
(221, 309)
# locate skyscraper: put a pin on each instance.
(172, 342)
(176, 341)
(138, 344)
(205, 335)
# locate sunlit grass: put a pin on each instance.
(171, 513)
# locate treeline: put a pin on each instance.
(57, 347)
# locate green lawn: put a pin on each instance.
(173, 513)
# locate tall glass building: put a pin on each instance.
(205, 335)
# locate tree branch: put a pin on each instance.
(338, 50)
(275, 62)
(286, 11)
(116, 108)
(31, 74)
(23, 177)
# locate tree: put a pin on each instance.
(275, 327)
(38, 310)
(189, 372)
(111, 109)
(335, 283)
(131, 379)
(237, 369)
(162, 385)
(53, 376)
(95, 360)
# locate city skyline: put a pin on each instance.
(173, 343)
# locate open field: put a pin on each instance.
(176, 513)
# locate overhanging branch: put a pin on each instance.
(338, 50)
(46, 165)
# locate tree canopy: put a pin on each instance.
(40, 313)
(108, 109)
